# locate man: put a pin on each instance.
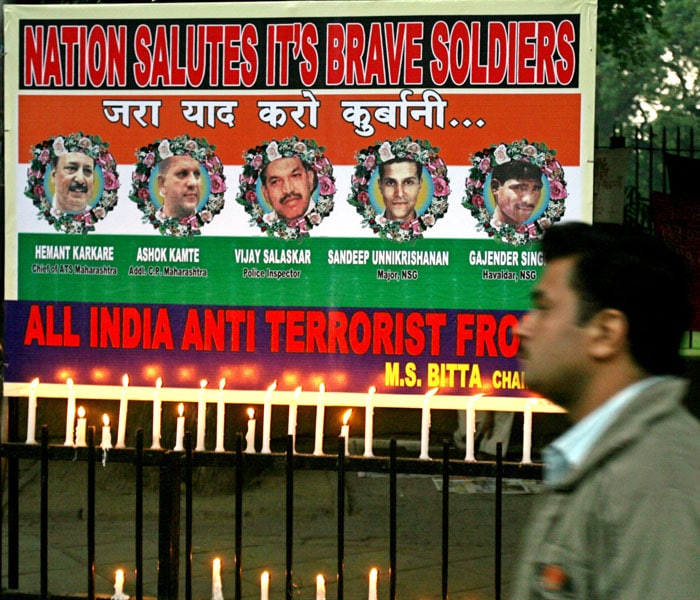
(73, 175)
(179, 185)
(516, 187)
(400, 183)
(287, 185)
(620, 518)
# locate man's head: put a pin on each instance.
(179, 185)
(610, 299)
(516, 187)
(400, 184)
(73, 175)
(287, 185)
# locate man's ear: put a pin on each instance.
(608, 334)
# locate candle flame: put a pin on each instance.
(34, 382)
(265, 578)
(272, 387)
(180, 409)
(105, 420)
(217, 564)
(251, 413)
(373, 573)
(125, 380)
(371, 390)
(159, 383)
(320, 580)
(297, 393)
(119, 576)
(322, 388)
(81, 412)
(346, 416)
(203, 383)
(222, 383)
(432, 392)
(69, 382)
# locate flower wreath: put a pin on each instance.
(249, 195)
(535, 153)
(370, 158)
(106, 181)
(142, 191)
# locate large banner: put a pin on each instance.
(347, 193)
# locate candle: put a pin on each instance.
(527, 431)
(201, 417)
(469, 433)
(81, 428)
(106, 433)
(220, 417)
(155, 443)
(320, 414)
(180, 430)
(70, 414)
(31, 412)
(121, 427)
(369, 421)
(320, 588)
(425, 426)
(292, 421)
(119, 585)
(216, 589)
(265, 585)
(250, 435)
(267, 418)
(372, 595)
(345, 430)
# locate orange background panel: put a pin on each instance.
(552, 119)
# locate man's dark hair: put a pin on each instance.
(307, 167)
(516, 169)
(627, 270)
(393, 161)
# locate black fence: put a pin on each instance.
(175, 475)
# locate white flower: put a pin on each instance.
(530, 150)
(270, 217)
(164, 149)
(500, 154)
(300, 148)
(273, 151)
(385, 152)
(191, 146)
(414, 148)
(85, 143)
(59, 146)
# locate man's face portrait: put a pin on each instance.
(400, 184)
(73, 178)
(179, 186)
(287, 186)
(515, 199)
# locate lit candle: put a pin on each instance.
(267, 418)
(250, 435)
(469, 433)
(265, 585)
(155, 443)
(292, 422)
(180, 430)
(81, 428)
(220, 417)
(216, 589)
(70, 414)
(121, 427)
(320, 588)
(106, 433)
(372, 595)
(201, 416)
(320, 414)
(31, 412)
(369, 421)
(345, 430)
(119, 583)
(527, 431)
(425, 426)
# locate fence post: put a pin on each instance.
(169, 528)
(13, 498)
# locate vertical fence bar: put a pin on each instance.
(188, 515)
(392, 520)
(289, 586)
(44, 516)
(445, 517)
(499, 519)
(91, 513)
(238, 533)
(13, 498)
(169, 528)
(138, 515)
(341, 517)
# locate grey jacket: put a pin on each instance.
(626, 524)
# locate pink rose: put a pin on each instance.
(251, 196)
(326, 186)
(440, 187)
(478, 200)
(363, 197)
(485, 165)
(370, 162)
(45, 156)
(143, 193)
(150, 159)
(39, 191)
(111, 181)
(557, 190)
(257, 162)
(218, 185)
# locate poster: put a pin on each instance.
(310, 194)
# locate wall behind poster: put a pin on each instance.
(340, 295)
